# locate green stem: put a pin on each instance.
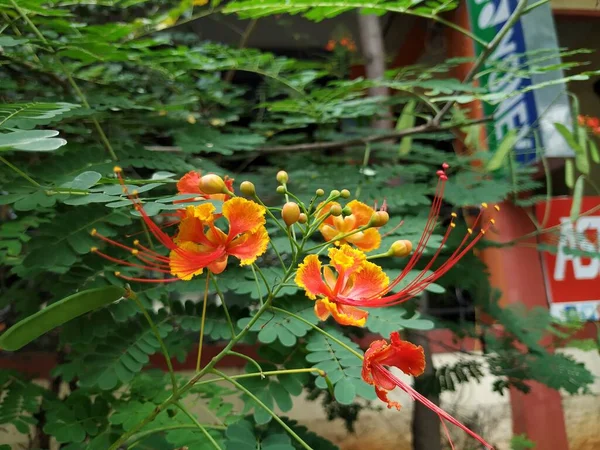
(365, 163)
(262, 275)
(20, 172)
(199, 426)
(250, 360)
(320, 330)
(202, 322)
(163, 347)
(268, 373)
(138, 437)
(266, 408)
(225, 309)
(70, 79)
(174, 397)
(260, 297)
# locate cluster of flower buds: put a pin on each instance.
(591, 123)
(344, 43)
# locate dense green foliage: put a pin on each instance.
(85, 87)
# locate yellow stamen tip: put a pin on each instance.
(453, 225)
(454, 215)
(482, 231)
(469, 230)
(135, 192)
(485, 205)
(93, 249)
(497, 207)
(117, 274)
(93, 232)
(136, 242)
(117, 169)
(134, 251)
(492, 221)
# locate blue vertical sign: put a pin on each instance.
(533, 112)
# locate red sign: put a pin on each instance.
(573, 272)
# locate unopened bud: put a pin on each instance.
(281, 190)
(212, 184)
(247, 188)
(346, 211)
(345, 193)
(320, 192)
(335, 193)
(380, 218)
(282, 176)
(401, 248)
(290, 213)
(302, 218)
(336, 210)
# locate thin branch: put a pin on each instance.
(482, 58)
(243, 42)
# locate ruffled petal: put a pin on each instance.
(189, 259)
(191, 228)
(406, 356)
(361, 212)
(344, 315)
(308, 277)
(372, 351)
(189, 183)
(369, 281)
(382, 394)
(367, 240)
(243, 216)
(249, 246)
(346, 259)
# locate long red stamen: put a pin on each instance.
(146, 280)
(432, 406)
(122, 262)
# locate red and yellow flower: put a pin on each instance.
(410, 359)
(348, 276)
(344, 296)
(199, 243)
(190, 184)
(347, 229)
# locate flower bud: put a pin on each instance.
(282, 176)
(401, 248)
(320, 192)
(335, 193)
(290, 213)
(302, 218)
(346, 211)
(247, 188)
(281, 190)
(380, 218)
(345, 193)
(212, 184)
(336, 210)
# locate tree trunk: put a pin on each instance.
(425, 423)
(371, 39)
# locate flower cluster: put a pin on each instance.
(592, 123)
(344, 43)
(214, 224)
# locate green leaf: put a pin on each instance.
(31, 141)
(386, 320)
(503, 150)
(339, 364)
(405, 121)
(30, 115)
(19, 401)
(84, 180)
(274, 326)
(29, 329)
(577, 198)
(594, 152)
(9, 41)
(242, 435)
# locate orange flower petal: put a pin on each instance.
(346, 259)
(344, 315)
(406, 356)
(191, 228)
(189, 259)
(308, 277)
(218, 266)
(329, 233)
(243, 216)
(383, 396)
(189, 183)
(369, 281)
(249, 246)
(367, 240)
(362, 212)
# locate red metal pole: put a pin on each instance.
(517, 272)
